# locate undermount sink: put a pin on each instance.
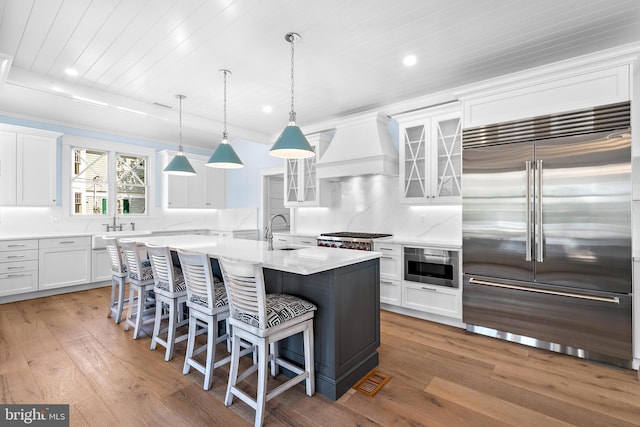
(289, 248)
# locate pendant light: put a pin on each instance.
(180, 164)
(292, 144)
(225, 156)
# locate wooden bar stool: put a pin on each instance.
(207, 302)
(140, 283)
(262, 320)
(118, 278)
(170, 292)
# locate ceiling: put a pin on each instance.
(138, 54)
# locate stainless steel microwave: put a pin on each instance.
(437, 267)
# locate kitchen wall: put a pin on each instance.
(371, 203)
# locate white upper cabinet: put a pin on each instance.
(205, 190)
(301, 184)
(28, 172)
(430, 157)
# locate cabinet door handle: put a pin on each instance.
(428, 289)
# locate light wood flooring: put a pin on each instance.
(63, 349)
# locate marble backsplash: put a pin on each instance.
(372, 204)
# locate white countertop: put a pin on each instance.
(58, 234)
(432, 243)
(305, 261)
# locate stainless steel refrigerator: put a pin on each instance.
(547, 232)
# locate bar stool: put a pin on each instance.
(140, 283)
(207, 302)
(262, 320)
(118, 278)
(171, 292)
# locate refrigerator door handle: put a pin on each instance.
(612, 300)
(527, 245)
(539, 231)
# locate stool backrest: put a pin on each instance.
(114, 250)
(162, 265)
(132, 258)
(244, 283)
(198, 277)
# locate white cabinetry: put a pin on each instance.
(431, 156)
(390, 272)
(205, 190)
(64, 262)
(18, 266)
(432, 299)
(236, 234)
(282, 240)
(100, 265)
(305, 241)
(27, 169)
(301, 184)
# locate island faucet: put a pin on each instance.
(269, 227)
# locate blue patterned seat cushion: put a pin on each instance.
(147, 273)
(179, 278)
(219, 293)
(280, 308)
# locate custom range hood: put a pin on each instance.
(361, 146)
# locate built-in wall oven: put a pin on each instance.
(437, 267)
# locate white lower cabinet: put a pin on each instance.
(64, 262)
(100, 265)
(390, 272)
(18, 266)
(432, 299)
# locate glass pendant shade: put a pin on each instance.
(225, 157)
(180, 164)
(292, 144)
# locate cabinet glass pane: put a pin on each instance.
(310, 189)
(89, 181)
(414, 161)
(292, 180)
(449, 148)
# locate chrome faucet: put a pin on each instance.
(115, 224)
(269, 227)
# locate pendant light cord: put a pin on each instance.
(224, 133)
(180, 147)
(292, 113)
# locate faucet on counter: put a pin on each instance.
(115, 225)
(269, 227)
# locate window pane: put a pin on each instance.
(131, 180)
(89, 181)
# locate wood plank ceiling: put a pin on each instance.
(137, 54)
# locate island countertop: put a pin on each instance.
(303, 260)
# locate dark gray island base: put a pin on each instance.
(346, 325)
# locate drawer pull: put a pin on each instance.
(15, 256)
(16, 275)
(428, 289)
(386, 249)
(386, 282)
(66, 242)
(16, 245)
(386, 257)
(15, 268)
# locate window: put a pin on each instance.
(89, 181)
(131, 184)
(95, 176)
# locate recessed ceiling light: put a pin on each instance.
(71, 72)
(267, 109)
(409, 60)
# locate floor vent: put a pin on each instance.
(372, 383)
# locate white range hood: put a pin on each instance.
(361, 146)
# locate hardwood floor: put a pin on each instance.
(63, 349)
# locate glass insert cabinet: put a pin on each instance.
(430, 157)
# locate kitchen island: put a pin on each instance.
(342, 283)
